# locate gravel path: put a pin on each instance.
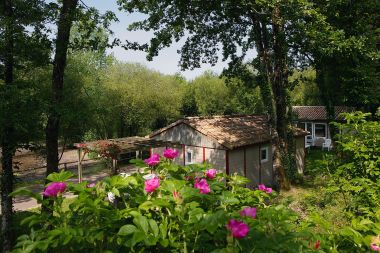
(22, 203)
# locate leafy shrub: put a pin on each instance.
(122, 214)
(356, 166)
(171, 208)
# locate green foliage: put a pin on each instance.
(305, 91)
(161, 221)
(209, 94)
(356, 167)
(177, 218)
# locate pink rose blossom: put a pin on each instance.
(54, 188)
(152, 184)
(171, 153)
(249, 211)
(238, 228)
(375, 247)
(211, 173)
(262, 187)
(202, 185)
(90, 185)
(153, 160)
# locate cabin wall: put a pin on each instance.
(267, 167)
(188, 136)
(216, 157)
(236, 161)
(252, 165)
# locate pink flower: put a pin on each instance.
(249, 211)
(171, 153)
(175, 194)
(262, 187)
(202, 185)
(90, 185)
(152, 184)
(153, 160)
(211, 173)
(375, 247)
(268, 190)
(238, 228)
(54, 188)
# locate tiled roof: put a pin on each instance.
(319, 112)
(230, 131)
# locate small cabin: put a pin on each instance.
(314, 119)
(241, 144)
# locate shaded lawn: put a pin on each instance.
(312, 195)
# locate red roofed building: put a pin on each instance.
(314, 120)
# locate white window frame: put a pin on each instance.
(191, 156)
(318, 123)
(267, 154)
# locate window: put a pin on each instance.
(309, 127)
(320, 130)
(264, 154)
(189, 157)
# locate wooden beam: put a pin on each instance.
(80, 165)
(227, 163)
(245, 163)
(184, 155)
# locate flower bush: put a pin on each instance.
(171, 208)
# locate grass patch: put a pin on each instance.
(312, 196)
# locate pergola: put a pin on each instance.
(126, 144)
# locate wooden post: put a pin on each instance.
(245, 162)
(260, 165)
(80, 165)
(114, 166)
(227, 163)
(184, 155)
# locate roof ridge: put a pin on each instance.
(226, 116)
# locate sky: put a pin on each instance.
(167, 60)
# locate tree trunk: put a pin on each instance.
(279, 86)
(7, 141)
(273, 86)
(52, 129)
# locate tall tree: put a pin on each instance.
(65, 21)
(7, 144)
(231, 25)
(20, 31)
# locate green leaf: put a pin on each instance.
(228, 198)
(164, 242)
(60, 177)
(138, 236)
(154, 227)
(146, 205)
(142, 223)
(138, 162)
(28, 193)
(127, 229)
